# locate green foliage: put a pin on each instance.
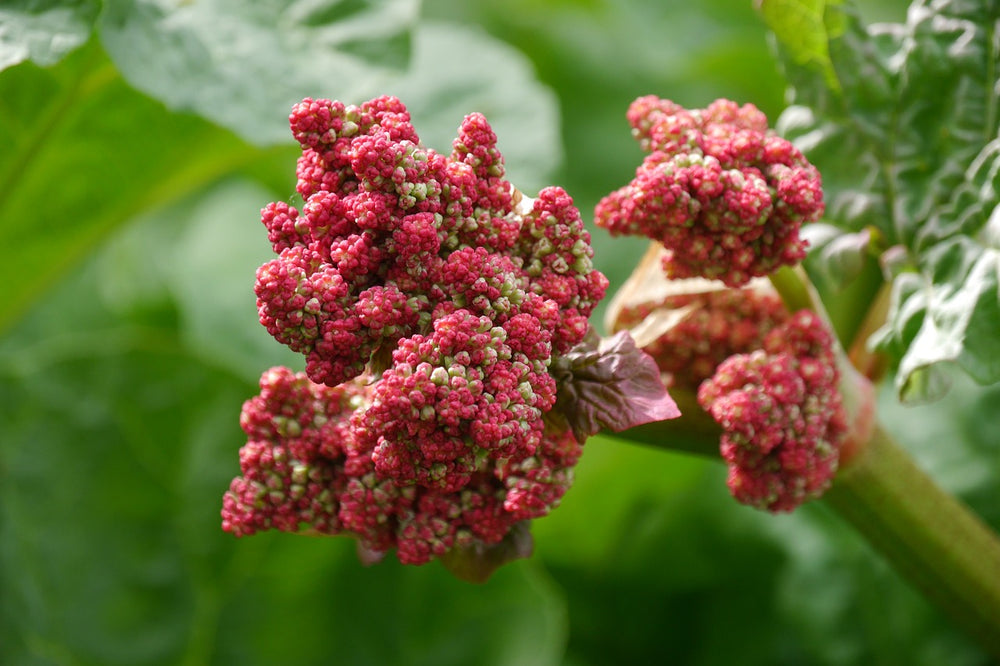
(86, 154)
(43, 31)
(906, 139)
(805, 29)
(128, 242)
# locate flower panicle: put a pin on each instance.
(429, 298)
(725, 195)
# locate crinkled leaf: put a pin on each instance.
(836, 257)
(610, 383)
(43, 31)
(954, 320)
(476, 563)
(907, 144)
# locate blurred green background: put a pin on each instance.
(138, 141)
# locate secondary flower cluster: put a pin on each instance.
(782, 415)
(724, 195)
(429, 298)
(710, 326)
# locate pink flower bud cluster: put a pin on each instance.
(715, 325)
(782, 415)
(391, 230)
(434, 281)
(725, 195)
(307, 465)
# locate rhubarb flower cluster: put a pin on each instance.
(782, 415)
(429, 298)
(709, 327)
(725, 195)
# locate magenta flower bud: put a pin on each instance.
(782, 415)
(724, 195)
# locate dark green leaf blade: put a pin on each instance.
(278, 53)
(120, 436)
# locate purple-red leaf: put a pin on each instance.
(610, 383)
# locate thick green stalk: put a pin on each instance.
(795, 289)
(929, 536)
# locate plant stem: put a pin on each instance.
(872, 365)
(929, 536)
(795, 289)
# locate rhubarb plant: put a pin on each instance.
(469, 366)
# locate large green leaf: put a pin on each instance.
(244, 68)
(43, 31)
(804, 28)
(86, 154)
(199, 257)
(906, 142)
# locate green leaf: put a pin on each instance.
(268, 59)
(588, 530)
(43, 31)
(87, 153)
(952, 320)
(805, 28)
(245, 66)
(906, 143)
(116, 466)
(210, 273)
